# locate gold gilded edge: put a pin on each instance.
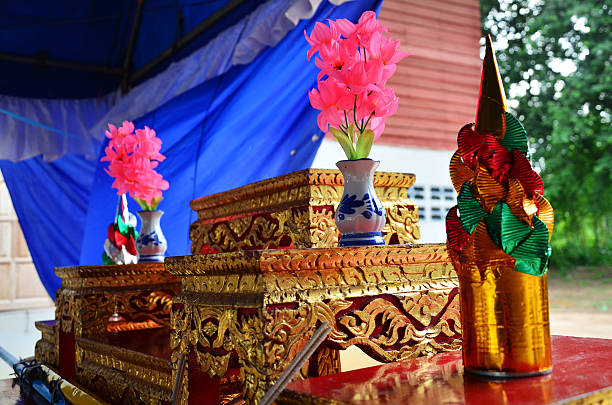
(119, 384)
(272, 260)
(308, 177)
(44, 328)
(141, 359)
(245, 261)
(109, 270)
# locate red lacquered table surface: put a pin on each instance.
(582, 374)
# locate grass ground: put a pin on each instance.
(581, 302)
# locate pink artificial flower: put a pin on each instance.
(385, 49)
(361, 77)
(367, 26)
(332, 99)
(132, 159)
(150, 144)
(345, 27)
(321, 35)
(386, 103)
(355, 61)
(332, 59)
(378, 126)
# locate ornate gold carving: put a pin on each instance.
(45, 352)
(312, 274)
(262, 306)
(266, 340)
(86, 314)
(148, 368)
(324, 361)
(400, 336)
(287, 190)
(117, 387)
(117, 374)
(125, 276)
(269, 261)
(295, 210)
(90, 294)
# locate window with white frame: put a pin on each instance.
(434, 202)
(20, 286)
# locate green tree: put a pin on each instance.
(557, 70)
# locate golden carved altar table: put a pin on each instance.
(86, 347)
(295, 211)
(239, 314)
(245, 315)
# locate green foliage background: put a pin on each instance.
(567, 113)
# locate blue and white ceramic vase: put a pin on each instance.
(360, 216)
(151, 243)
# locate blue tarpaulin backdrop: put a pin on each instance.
(250, 123)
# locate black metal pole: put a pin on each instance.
(45, 62)
(129, 55)
(182, 42)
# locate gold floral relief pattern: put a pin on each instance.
(149, 377)
(257, 231)
(261, 307)
(408, 330)
(293, 189)
(91, 294)
(117, 387)
(298, 227)
(265, 340)
(294, 211)
(431, 260)
(86, 314)
(45, 350)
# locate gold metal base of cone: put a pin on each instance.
(502, 375)
(505, 322)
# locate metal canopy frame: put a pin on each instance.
(128, 76)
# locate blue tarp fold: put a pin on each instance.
(251, 123)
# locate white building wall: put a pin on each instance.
(433, 191)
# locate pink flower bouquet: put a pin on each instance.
(356, 60)
(133, 157)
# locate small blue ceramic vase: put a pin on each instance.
(360, 216)
(151, 243)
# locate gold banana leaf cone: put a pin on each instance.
(504, 318)
(504, 312)
(459, 172)
(490, 117)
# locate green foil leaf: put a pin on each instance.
(493, 222)
(534, 251)
(122, 227)
(106, 259)
(516, 136)
(505, 229)
(513, 230)
(470, 211)
(529, 246)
